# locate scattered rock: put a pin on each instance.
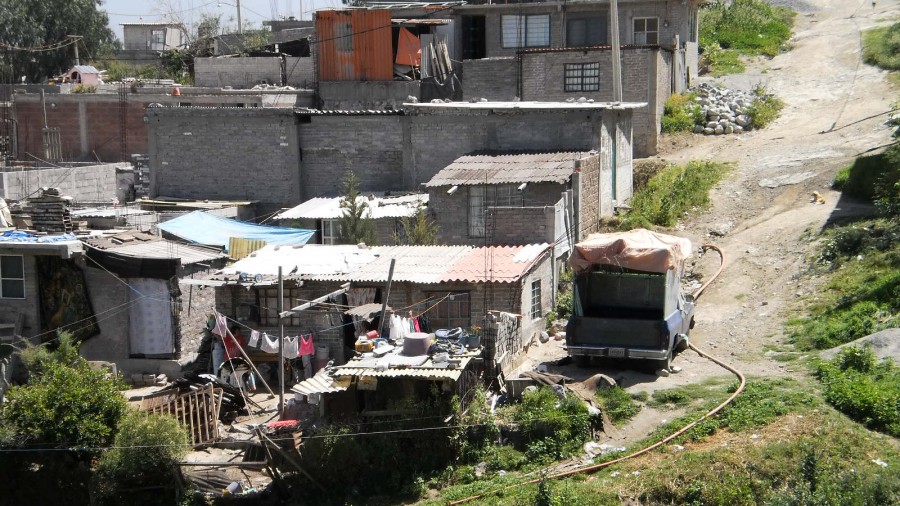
(721, 229)
(662, 373)
(723, 108)
(675, 369)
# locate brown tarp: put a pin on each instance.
(639, 249)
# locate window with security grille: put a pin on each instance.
(453, 310)
(267, 300)
(646, 31)
(525, 31)
(12, 277)
(536, 309)
(582, 76)
(483, 197)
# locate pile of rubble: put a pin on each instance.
(725, 110)
(51, 212)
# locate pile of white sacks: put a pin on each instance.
(725, 110)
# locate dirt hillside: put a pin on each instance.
(835, 109)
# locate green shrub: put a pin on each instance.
(764, 109)
(66, 407)
(617, 404)
(84, 88)
(145, 457)
(680, 113)
(671, 193)
(881, 47)
(721, 62)
(37, 358)
(551, 428)
(750, 26)
(864, 389)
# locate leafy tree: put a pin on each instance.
(145, 456)
(46, 24)
(419, 229)
(356, 224)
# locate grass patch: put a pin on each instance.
(862, 295)
(551, 428)
(681, 113)
(881, 47)
(671, 193)
(874, 178)
(765, 107)
(618, 404)
(687, 394)
(743, 27)
(863, 388)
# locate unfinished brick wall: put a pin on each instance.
(645, 78)
(225, 154)
(244, 72)
(520, 225)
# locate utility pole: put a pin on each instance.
(616, 50)
(76, 38)
(240, 24)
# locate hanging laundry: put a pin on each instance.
(221, 328)
(291, 347)
(306, 345)
(416, 325)
(269, 344)
(254, 339)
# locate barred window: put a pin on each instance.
(582, 76)
(483, 197)
(12, 277)
(536, 309)
(267, 300)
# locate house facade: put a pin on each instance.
(152, 36)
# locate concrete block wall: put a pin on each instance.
(300, 72)
(520, 225)
(644, 79)
(588, 191)
(364, 95)
(371, 146)
(490, 78)
(106, 292)
(242, 72)
(92, 183)
(452, 216)
(437, 138)
(225, 154)
(532, 327)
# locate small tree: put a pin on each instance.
(419, 229)
(356, 223)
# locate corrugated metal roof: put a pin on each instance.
(499, 264)
(355, 368)
(85, 69)
(476, 169)
(323, 208)
(306, 111)
(310, 260)
(139, 245)
(354, 45)
(529, 106)
(108, 212)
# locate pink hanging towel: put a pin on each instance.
(221, 328)
(416, 325)
(306, 345)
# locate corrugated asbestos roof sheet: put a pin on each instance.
(304, 111)
(322, 383)
(476, 169)
(415, 264)
(310, 260)
(324, 208)
(108, 212)
(140, 245)
(500, 264)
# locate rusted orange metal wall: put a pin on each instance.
(354, 45)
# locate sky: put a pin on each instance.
(255, 11)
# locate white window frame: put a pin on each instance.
(4, 278)
(482, 197)
(524, 30)
(642, 34)
(537, 309)
(331, 231)
(581, 77)
(157, 39)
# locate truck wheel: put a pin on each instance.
(582, 361)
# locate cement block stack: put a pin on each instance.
(50, 212)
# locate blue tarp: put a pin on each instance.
(205, 228)
(19, 236)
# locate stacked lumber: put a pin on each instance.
(50, 212)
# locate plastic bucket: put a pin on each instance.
(322, 352)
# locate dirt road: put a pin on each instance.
(835, 109)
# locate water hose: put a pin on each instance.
(596, 467)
